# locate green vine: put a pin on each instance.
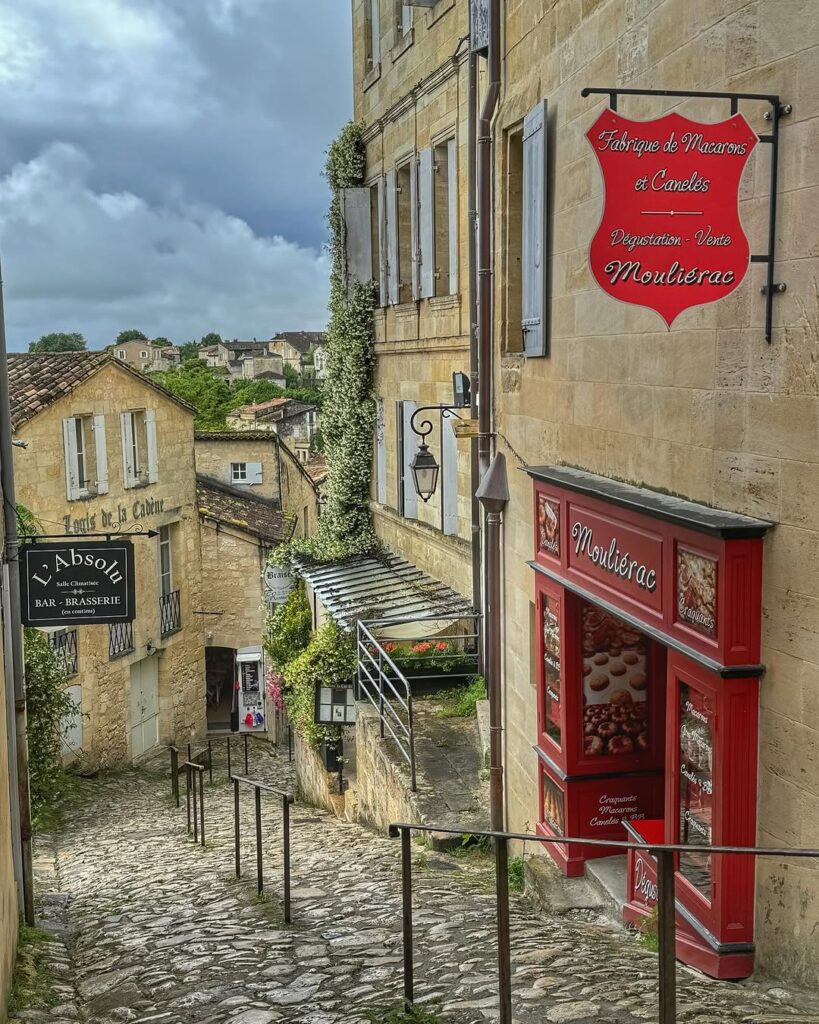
(348, 418)
(328, 660)
(289, 627)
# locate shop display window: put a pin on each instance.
(617, 671)
(553, 814)
(550, 626)
(696, 786)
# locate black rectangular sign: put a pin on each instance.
(83, 584)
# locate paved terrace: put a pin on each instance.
(150, 929)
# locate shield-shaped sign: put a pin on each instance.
(670, 235)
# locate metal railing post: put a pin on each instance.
(195, 809)
(236, 827)
(286, 855)
(406, 915)
(189, 751)
(188, 793)
(247, 770)
(289, 742)
(259, 878)
(175, 774)
(411, 738)
(504, 953)
(201, 774)
(667, 938)
(230, 773)
(210, 763)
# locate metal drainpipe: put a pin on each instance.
(12, 566)
(485, 332)
(475, 473)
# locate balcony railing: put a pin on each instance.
(64, 645)
(170, 613)
(120, 639)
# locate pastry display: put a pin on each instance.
(697, 591)
(552, 805)
(548, 525)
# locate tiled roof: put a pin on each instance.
(284, 412)
(235, 345)
(316, 467)
(301, 340)
(236, 435)
(37, 381)
(245, 512)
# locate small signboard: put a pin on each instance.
(278, 583)
(670, 235)
(82, 584)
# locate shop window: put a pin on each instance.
(139, 447)
(696, 786)
(86, 456)
(550, 624)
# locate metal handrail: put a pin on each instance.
(666, 905)
(286, 800)
(198, 828)
(364, 639)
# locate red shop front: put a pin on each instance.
(649, 614)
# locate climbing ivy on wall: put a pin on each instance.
(348, 417)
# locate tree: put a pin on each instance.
(197, 384)
(161, 342)
(254, 392)
(190, 350)
(58, 342)
(210, 339)
(291, 376)
(132, 334)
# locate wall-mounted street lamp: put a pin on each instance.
(424, 467)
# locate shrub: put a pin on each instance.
(288, 628)
(328, 660)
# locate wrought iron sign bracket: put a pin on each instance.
(425, 427)
(776, 111)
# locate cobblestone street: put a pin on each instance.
(158, 930)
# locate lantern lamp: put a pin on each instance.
(424, 472)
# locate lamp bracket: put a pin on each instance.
(425, 427)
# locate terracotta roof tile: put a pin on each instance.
(245, 512)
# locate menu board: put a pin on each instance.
(548, 525)
(551, 667)
(553, 806)
(697, 591)
(696, 785)
(616, 685)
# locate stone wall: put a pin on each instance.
(214, 458)
(232, 567)
(41, 487)
(315, 784)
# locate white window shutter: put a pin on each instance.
(128, 468)
(534, 277)
(414, 231)
(449, 478)
(380, 453)
(409, 447)
(392, 237)
(150, 433)
(254, 472)
(382, 247)
(452, 199)
(101, 454)
(72, 482)
(375, 30)
(426, 227)
(355, 213)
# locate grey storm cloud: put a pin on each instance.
(160, 163)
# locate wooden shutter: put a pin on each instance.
(355, 213)
(452, 199)
(101, 454)
(414, 229)
(407, 446)
(72, 482)
(150, 433)
(253, 471)
(380, 454)
(449, 478)
(382, 246)
(533, 261)
(426, 227)
(128, 468)
(391, 221)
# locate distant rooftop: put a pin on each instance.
(302, 341)
(246, 512)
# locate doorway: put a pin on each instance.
(220, 673)
(144, 706)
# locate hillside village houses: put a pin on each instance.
(107, 448)
(142, 355)
(294, 422)
(266, 360)
(675, 700)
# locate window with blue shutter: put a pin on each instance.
(534, 254)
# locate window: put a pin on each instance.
(238, 472)
(86, 456)
(406, 225)
(438, 218)
(139, 447)
(403, 18)
(377, 249)
(534, 270)
(165, 561)
(121, 353)
(372, 36)
(513, 229)
(143, 354)
(407, 446)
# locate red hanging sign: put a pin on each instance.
(670, 235)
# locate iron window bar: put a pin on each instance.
(170, 615)
(120, 639)
(64, 644)
(776, 112)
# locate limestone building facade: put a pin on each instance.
(708, 410)
(9, 905)
(105, 449)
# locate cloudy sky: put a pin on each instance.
(160, 164)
